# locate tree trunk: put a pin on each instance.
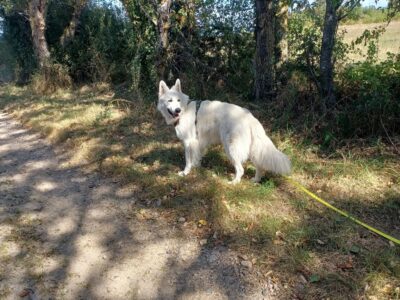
(326, 58)
(264, 81)
(37, 19)
(70, 31)
(281, 32)
(163, 24)
(182, 58)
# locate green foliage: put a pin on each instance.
(7, 62)
(142, 46)
(17, 35)
(304, 38)
(210, 40)
(10, 6)
(368, 105)
(226, 44)
(102, 47)
(372, 102)
(59, 14)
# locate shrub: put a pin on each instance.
(50, 78)
(370, 96)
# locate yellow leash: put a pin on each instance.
(343, 213)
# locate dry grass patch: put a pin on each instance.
(308, 248)
(389, 41)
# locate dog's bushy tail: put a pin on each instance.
(264, 154)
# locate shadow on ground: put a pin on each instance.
(67, 234)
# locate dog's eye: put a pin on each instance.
(170, 100)
(179, 100)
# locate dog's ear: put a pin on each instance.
(177, 87)
(163, 88)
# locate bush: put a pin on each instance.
(7, 62)
(370, 96)
(102, 48)
(50, 78)
(17, 35)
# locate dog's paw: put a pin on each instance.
(182, 173)
(234, 181)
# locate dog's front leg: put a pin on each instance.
(192, 156)
(188, 159)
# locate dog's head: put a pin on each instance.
(172, 103)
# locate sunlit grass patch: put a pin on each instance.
(380, 285)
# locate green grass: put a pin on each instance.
(281, 227)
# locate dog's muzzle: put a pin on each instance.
(176, 113)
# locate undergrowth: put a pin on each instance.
(365, 114)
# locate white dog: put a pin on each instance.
(215, 122)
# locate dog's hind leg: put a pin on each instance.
(259, 174)
(237, 154)
(239, 172)
(200, 151)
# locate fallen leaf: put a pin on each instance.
(202, 223)
(355, 249)
(346, 265)
(269, 273)
(279, 235)
(279, 242)
(203, 242)
(387, 289)
(250, 226)
(314, 278)
(246, 264)
(302, 278)
(243, 256)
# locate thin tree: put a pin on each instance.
(264, 82)
(37, 18)
(335, 11)
(281, 31)
(163, 25)
(70, 30)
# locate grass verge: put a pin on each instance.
(312, 252)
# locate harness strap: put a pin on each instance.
(198, 103)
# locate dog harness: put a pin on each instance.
(198, 103)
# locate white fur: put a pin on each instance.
(241, 134)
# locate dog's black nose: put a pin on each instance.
(177, 110)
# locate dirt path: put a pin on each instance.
(71, 235)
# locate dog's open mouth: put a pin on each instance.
(173, 114)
